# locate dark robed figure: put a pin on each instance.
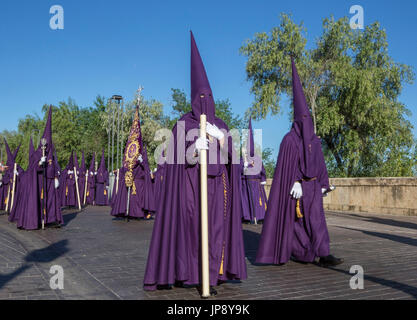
(13, 217)
(91, 182)
(81, 178)
(295, 225)
(68, 187)
(7, 182)
(102, 183)
(134, 162)
(158, 179)
(253, 181)
(174, 253)
(39, 197)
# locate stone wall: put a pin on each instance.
(396, 196)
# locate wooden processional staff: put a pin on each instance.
(205, 272)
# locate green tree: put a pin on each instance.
(352, 86)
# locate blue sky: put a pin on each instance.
(110, 47)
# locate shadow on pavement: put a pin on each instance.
(412, 291)
(389, 222)
(68, 217)
(251, 241)
(392, 237)
(45, 255)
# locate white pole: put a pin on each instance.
(204, 215)
(14, 185)
(76, 186)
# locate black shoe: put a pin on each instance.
(164, 287)
(330, 261)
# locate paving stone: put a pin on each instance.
(105, 258)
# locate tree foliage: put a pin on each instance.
(352, 86)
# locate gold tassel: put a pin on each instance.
(260, 201)
(298, 210)
(66, 191)
(105, 192)
(5, 201)
(42, 194)
(133, 188)
(88, 193)
(221, 265)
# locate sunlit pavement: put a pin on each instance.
(105, 258)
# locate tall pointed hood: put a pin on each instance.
(16, 152)
(303, 125)
(31, 148)
(102, 166)
(70, 165)
(250, 144)
(202, 100)
(83, 167)
(47, 133)
(134, 145)
(10, 159)
(93, 160)
(76, 160)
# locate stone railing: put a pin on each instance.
(396, 196)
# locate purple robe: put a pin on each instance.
(68, 190)
(138, 192)
(300, 159)
(254, 201)
(91, 183)
(8, 177)
(102, 183)
(174, 252)
(37, 190)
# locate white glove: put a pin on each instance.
(246, 164)
(70, 172)
(15, 172)
(296, 191)
(155, 170)
(56, 183)
(59, 173)
(140, 158)
(214, 131)
(42, 161)
(1, 183)
(95, 173)
(263, 183)
(201, 144)
(323, 190)
(91, 173)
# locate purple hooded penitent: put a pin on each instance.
(159, 177)
(20, 183)
(174, 253)
(91, 182)
(40, 198)
(68, 191)
(7, 182)
(300, 159)
(253, 191)
(102, 183)
(136, 174)
(81, 178)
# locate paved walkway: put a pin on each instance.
(105, 258)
